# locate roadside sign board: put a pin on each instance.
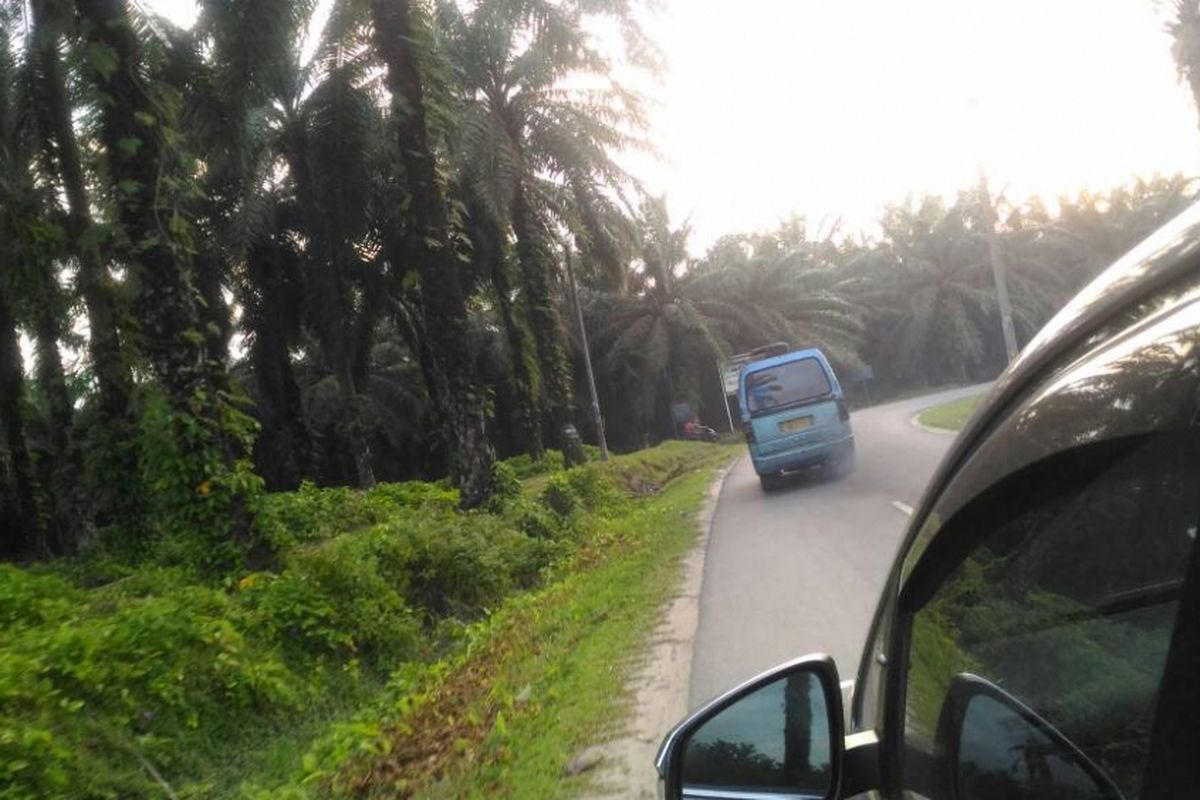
(864, 373)
(731, 368)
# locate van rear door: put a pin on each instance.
(789, 402)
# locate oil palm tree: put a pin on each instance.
(60, 152)
(151, 177)
(1184, 29)
(540, 154)
(329, 144)
(929, 285)
(779, 286)
(657, 342)
(18, 515)
(402, 34)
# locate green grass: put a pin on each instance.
(539, 678)
(119, 679)
(545, 674)
(591, 625)
(950, 416)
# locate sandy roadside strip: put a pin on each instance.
(659, 683)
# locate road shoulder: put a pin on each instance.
(661, 679)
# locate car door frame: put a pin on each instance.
(1164, 265)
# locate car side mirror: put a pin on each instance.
(995, 747)
(779, 734)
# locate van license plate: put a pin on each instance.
(797, 424)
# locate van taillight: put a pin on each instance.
(843, 410)
(748, 429)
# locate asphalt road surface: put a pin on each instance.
(800, 570)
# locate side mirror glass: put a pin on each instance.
(779, 735)
(997, 748)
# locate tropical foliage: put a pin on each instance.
(229, 266)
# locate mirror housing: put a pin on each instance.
(991, 745)
(817, 671)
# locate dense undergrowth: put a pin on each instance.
(152, 680)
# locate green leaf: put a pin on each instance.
(102, 58)
(129, 145)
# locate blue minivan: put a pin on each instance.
(795, 416)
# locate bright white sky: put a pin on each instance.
(833, 108)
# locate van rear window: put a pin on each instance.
(785, 385)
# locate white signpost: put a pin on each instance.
(730, 370)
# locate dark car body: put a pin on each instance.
(1052, 562)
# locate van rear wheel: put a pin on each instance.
(769, 482)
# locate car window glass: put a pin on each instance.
(786, 384)
(1068, 604)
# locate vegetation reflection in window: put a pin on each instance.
(1070, 608)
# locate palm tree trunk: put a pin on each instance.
(522, 352)
(355, 437)
(69, 519)
(20, 536)
(449, 371)
(168, 302)
(141, 167)
(104, 345)
(536, 261)
(797, 731)
(215, 315)
(283, 452)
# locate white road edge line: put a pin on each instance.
(903, 508)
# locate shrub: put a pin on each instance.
(524, 466)
(506, 487)
(391, 497)
(581, 488)
(536, 520)
(311, 513)
(465, 564)
(344, 597)
(104, 663)
(595, 489)
(559, 496)
(28, 598)
(124, 672)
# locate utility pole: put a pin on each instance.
(587, 356)
(999, 271)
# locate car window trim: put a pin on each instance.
(1172, 762)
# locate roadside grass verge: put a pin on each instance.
(149, 680)
(951, 416)
(544, 675)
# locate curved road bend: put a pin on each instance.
(801, 569)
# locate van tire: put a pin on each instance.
(769, 482)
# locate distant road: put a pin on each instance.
(801, 569)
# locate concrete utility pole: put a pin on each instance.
(999, 271)
(587, 356)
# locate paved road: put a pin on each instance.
(800, 570)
